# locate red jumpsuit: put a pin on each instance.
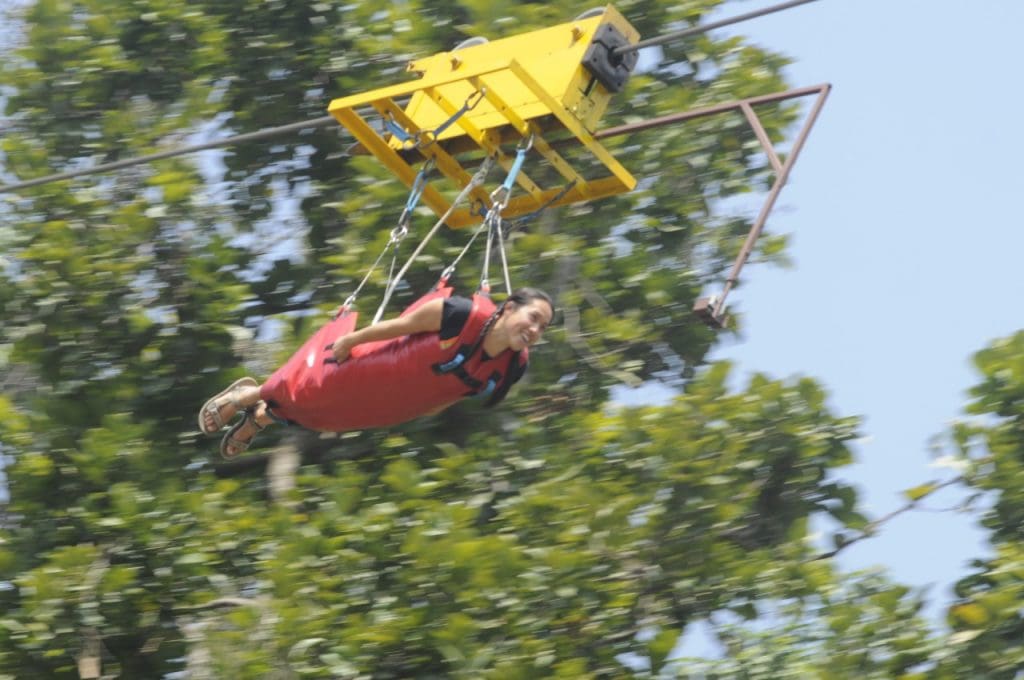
(389, 381)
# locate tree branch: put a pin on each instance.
(873, 527)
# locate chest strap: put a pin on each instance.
(456, 366)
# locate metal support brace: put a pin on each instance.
(712, 309)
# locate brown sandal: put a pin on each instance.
(240, 446)
(213, 410)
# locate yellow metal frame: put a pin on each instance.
(520, 79)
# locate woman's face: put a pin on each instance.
(524, 324)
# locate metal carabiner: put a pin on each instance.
(400, 231)
(526, 143)
(424, 138)
(407, 140)
(479, 94)
(499, 200)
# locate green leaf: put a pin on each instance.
(920, 491)
(660, 646)
(970, 613)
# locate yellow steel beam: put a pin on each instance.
(512, 96)
(445, 162)
(524, 203)
(574, 126)
(369, 138)
(522, 179)
(404, 89)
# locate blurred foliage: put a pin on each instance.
(986, 618)
(558, 537)
(861, 627)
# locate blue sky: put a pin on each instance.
(905, 234)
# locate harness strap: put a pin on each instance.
(456, 366)
(424, 138)
(477, 179)
(476, 386)
(398, 234)
(492, 221)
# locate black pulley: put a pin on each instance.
(610, 69)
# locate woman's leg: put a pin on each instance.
(221, 409)
(240, 437)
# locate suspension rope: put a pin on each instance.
(477, 179)
(350, 300)
(403, 222)
(450, 269)
(424, 138)
(485, 284)
(492, 220)
(504, 259)
(418, 185)
(398, 234)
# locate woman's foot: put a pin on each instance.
(219, 410)
(240, 437)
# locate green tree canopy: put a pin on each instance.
(548, 539)
(985, 617)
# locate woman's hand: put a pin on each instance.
(341, 348)
(426, 318)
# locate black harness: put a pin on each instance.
(457, 364)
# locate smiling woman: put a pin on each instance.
(441, 349)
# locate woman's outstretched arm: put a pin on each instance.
(424, 319)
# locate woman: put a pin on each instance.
(441, 349)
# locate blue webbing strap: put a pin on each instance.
(431, 135)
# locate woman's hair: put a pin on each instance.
(525, 295)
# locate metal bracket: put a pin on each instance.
(705, 309)
(611, 70)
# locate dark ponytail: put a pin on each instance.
(526, 294)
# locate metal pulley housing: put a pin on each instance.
(610, 69)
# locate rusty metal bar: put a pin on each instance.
(681, 116)
(711, 309)
(773, 194)
(762, 136)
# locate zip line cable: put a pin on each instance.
(325, 121)
(704, 28)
